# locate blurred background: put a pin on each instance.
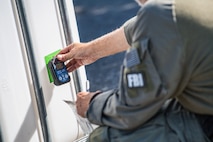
(98, 17)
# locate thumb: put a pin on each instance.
(65, 53)
(62, 57)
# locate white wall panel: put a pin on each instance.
(46, 35)
(18, 118)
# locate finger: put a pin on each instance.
(72, 65)
(78, 108)
(66, 49)
(64, 57)
(65, 53)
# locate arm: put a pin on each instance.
(109, 44)
(80, 54)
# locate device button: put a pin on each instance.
(60, 78)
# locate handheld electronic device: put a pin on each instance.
(59, 71)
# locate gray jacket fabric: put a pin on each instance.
(173, 125)
(171, 57)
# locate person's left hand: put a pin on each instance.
(83, 100)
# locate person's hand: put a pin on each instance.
(83, 100)
(77, 54)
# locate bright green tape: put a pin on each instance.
(47, 58)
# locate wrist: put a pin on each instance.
(95, 94)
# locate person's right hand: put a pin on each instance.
(77, 54)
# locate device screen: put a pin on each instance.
(59, 66)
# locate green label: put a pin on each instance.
(47, 58)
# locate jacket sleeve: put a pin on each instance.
(150, 75)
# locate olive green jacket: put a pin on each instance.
(171, 56)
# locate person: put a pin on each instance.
(165, 92)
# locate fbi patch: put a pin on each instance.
(135, 80)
